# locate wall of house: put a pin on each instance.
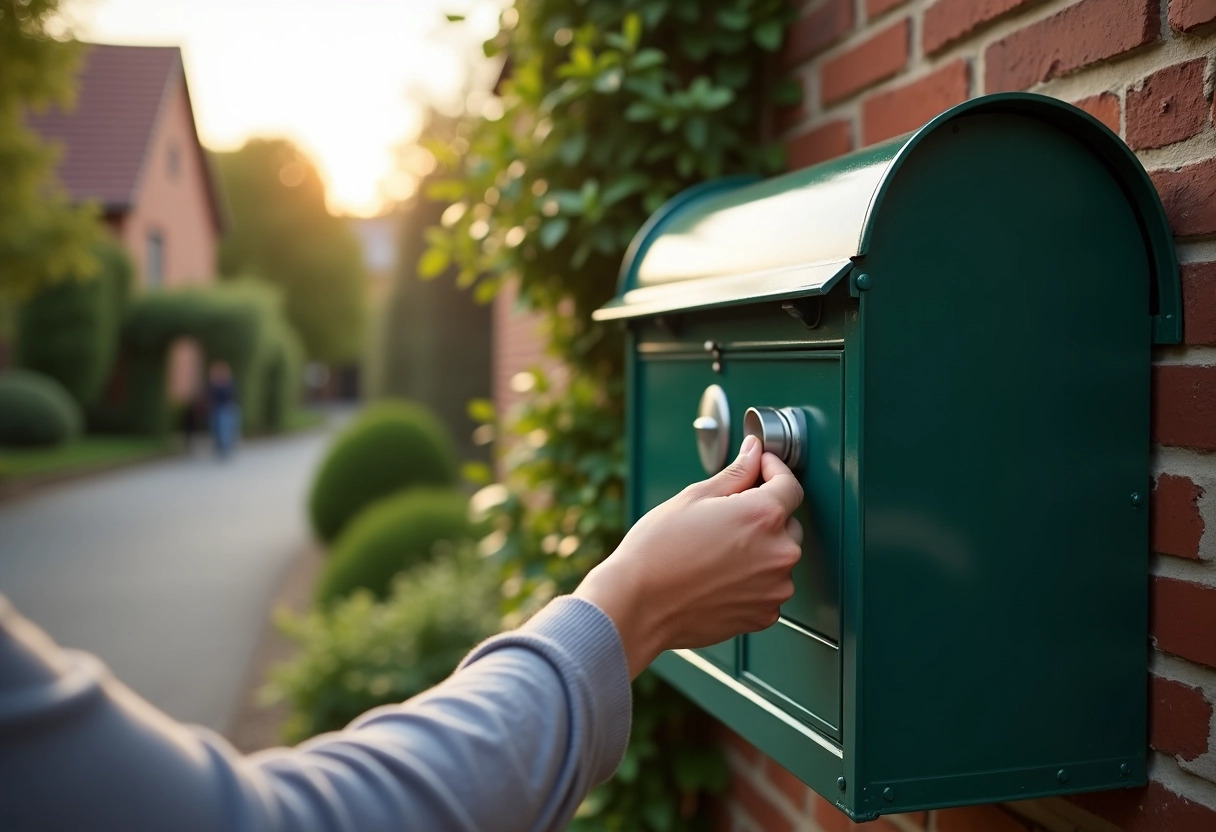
(171, 199)
(173, 204)
(872, 69)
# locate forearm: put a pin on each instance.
(512, 741)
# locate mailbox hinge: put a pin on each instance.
(807, 310)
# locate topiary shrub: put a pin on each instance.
(239, 322)
(390, 536)
(70, 331)
(36, 410)
(362, 653)
(390, 447)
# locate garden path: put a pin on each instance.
(164, 570)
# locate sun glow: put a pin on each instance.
(349, 83)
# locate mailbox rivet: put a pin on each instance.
(840, 783)
(863, 281)
(1137, 498)
(888, 794)
(717, 366)
(1062, 776)
(1124, 769)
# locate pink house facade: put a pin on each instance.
(131, 146)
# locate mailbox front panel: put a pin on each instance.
(796, 664)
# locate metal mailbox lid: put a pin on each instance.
(739, 240)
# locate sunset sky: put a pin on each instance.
(347, 81)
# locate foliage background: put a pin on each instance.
(610, 107)
(43, 237)
(282, 233)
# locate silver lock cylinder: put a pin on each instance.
(712, 427)
(781, 431)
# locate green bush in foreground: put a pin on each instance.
(362, 653)
(390, 536)
(36, 410)
(390, 447)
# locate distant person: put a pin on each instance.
(225, 408)
(513, 740)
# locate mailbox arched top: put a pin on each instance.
(740, 240)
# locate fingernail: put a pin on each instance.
(749, 445)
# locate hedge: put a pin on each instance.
(390, 536)
(391, 446)
(362, 653)
(70, 330)
(240, 323)
(36, 410)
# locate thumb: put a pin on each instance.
(739, 476)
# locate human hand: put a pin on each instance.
(712, 562)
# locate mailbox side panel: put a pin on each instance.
(1003, 571)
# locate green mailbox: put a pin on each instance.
(948, 336)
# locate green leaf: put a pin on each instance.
(433, 262)
(768, 35)
(640, 111)
(647, 59)
(736, 20)
(553, 232)
(632, 30)
(482, 411)
(609, 81)
(787, 92)
(696, 132)
(477, 473)
(455, 18)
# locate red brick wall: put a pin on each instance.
(872, 69)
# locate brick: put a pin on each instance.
(1080, 35)
(1184, 406)
(869, 62)
(1175, 524)
(1169, 106)
(1199, 303)
(1104, 107)
(1153, 808)
(826, 142)
(948, 21)
(1179, 718)
(1189, 196)
(977, 819)
(874, 8)
(794, 789)
(816, 30)
(758, 807)
(905, 108)
(1186, 15)
(1183, 619)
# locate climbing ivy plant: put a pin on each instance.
(605, 110)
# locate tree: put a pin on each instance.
(283, 233)
(43, 237)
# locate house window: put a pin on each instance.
(155, 265)
(175, 161)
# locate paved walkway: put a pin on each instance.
(164, 570)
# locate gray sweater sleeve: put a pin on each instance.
(511, 741)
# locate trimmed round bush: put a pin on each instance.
(36, 410)
(392, 535)
(389, 447)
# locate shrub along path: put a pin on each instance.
(165, 571)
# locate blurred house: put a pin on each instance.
(130, 144)
(378, 240)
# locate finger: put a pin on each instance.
(794, 529)
(739, 476)
(780, 482)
